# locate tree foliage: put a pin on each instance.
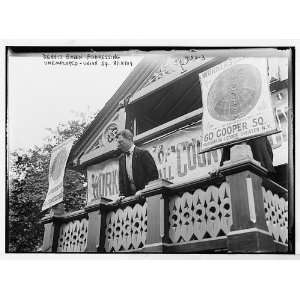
(28, 186)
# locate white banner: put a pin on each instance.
(279, 141)
(236, 102)
(178, 156)
(103, 180)
(57, 167)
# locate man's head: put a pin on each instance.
(125, 140)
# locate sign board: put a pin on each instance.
(103, 180)
(57, 167)
(236, 102)
(178, 156)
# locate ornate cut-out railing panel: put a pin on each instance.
(126, 229)
(276, 212)
(73, 236)
(201, 215)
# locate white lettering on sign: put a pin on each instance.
(178, 156)
(236, 102)
(103, 180)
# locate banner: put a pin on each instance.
(236, 102)
(57, 167)
(279, 141)
(103, 180)
(178, 157)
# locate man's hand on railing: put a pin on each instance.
(118, 200)
(121, 198)
(138, 194)
(214, 172)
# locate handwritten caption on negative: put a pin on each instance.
(85, 59)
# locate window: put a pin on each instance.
(173, 100)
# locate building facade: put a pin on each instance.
(187, 210)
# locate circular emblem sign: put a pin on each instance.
(111, 132)
(56, 168)
(234, 93)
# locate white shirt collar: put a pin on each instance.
(131, 149)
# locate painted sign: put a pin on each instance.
(178, 156)
(236, 102)
(57, 167)
(103, 180)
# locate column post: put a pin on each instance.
(157, 215)
(96, 224)
(249, 232)
(51, 228)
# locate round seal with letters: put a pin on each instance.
(234, 92)
(111, 132)
(57, 166)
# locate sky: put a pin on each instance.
(41, 96)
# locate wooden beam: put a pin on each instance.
(169, 126)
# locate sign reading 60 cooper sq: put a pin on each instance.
(236, 102)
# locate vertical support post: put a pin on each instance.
(157, 215)
(249, 231)
(51, 228)
(51, 234)
(96, 218)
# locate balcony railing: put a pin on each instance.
(239, 211)
(276, 211)
(73, 233)
(126, 227)
(201, 215)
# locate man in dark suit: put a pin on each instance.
(136, 166)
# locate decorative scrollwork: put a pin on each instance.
(175, 65)
(98, 144)
(111, 132)
(201, 215)
(126, 229)
(73, 236)
(276, 212)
